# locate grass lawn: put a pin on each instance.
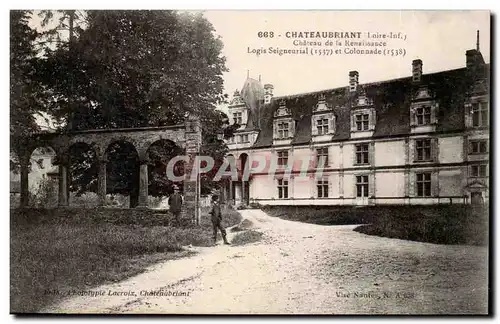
(64, 255)
(443, 224)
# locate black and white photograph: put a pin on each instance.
(250, 162)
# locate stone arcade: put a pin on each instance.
(186, 136)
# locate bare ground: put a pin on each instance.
(300, 268)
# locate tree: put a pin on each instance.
(26, 94)
(135, 69)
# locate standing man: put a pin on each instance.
(175, 203)
(217, 219)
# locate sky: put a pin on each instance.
(438, 38)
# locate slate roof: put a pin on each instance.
(253, 96)
(391, 100)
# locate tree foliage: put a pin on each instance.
(26, 94)
(135, 69)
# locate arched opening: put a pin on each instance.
(82, 176)
(42, 178)
(160, 187)
(122, 174)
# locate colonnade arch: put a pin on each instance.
(98, 142)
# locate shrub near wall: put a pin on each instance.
(116, 216)
(441, 224)
(323, 215)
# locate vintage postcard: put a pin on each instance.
(250, 162)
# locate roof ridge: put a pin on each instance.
(363, 84)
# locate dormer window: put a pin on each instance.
(323, 118)
(362, 122)
(238, 118)
(322, 125)
(423, 115)
(423, 111)
(363, 115)
(479, 111)
(283, 130)
(283, 124)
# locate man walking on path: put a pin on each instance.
(217, 219)
(175, 203)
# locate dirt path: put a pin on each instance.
(302, 268)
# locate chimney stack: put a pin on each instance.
(417, 70)
(268, 93)
(353, 81)
(474, 59)
(477, 41)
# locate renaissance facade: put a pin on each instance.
(423, 139)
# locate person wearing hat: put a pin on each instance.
(175, 203)
(217, 219)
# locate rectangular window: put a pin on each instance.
(283, 130)
(423, 116)
(478, 147)
(244, 138)
(362, 153)
(322, 157)
(478, 170)
(237, 117)
(282, 189)
(322, 186)
(424, 184)
(362, 122)
(282, 158)
(423, 150)
(322, 125)
(362, 186)
(480, 114)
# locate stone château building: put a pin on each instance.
(422, 139)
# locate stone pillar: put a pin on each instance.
(143, 185)
(231, 192)
(243, 197)
(63, 185)
(24, 161)
(191, 208)
(101, 182)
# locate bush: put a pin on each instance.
(46, 194)
(244, 225)
(442, 224)
(439, 224)
(323, 215)
(255, 205)
(246, 237)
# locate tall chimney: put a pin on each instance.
(268, 93)
(353, 81)
(477, 41)
(417, 70)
